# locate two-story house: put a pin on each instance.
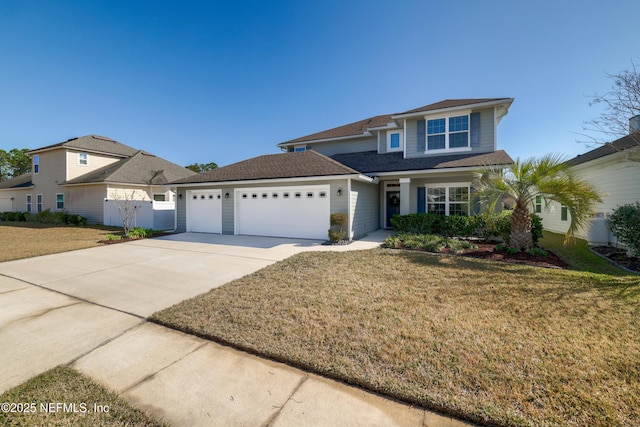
(77, 176)
(421, 160)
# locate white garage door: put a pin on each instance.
(6, 204)
(301, 211)
(204, 211)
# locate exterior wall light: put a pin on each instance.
(339, 192)
(226, 195)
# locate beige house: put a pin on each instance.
(614, 170)
(78, 175)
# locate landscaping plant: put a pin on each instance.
(549, 177)
(624, 223)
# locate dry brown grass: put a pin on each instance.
(36, 403)
(490, 342)
(24, 240)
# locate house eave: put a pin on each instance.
(435, 170)
(77, 149)
(17, 188)
(359, 177)
(313, 141)
(486, 104)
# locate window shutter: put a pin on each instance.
(475, 129)
(421, 200)
(422, 135)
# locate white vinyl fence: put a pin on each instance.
(148, 214)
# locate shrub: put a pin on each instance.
(112, 236)
(338, 221)
(427, 242)
(139, 232)
(538, 251)
(624, 223)
(45, 217)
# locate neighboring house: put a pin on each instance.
(614, 170)
(415, 161)
(77, 176)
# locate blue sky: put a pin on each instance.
(220, 82)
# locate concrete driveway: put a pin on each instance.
(87, 309)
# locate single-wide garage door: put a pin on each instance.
(204, 211)
(300, 211)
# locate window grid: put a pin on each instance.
(444, 134)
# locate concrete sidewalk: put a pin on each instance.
(87, 308)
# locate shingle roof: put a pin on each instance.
(620, 144)
(93, 143)
(352, 129)
(273, 166)
(360, 127)
(451, 103)
(372, 162)
(141, 168)
(19, 181)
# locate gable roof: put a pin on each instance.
(141, 168)
(453, 103)
(621, 144)
(362, 127)
(94, 144)
(20, 181)
(273, 166)
(372, 162)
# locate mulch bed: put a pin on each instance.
(618, 256)
(487, 251)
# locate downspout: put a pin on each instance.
(350, 224)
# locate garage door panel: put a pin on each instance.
(301, 212)
(204, 211)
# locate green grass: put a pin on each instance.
(40, 399)
(578, 255)
(490, 342)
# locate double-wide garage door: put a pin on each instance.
(298, 211)
(204, 211)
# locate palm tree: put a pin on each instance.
(547, 176)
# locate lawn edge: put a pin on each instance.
(441, 410)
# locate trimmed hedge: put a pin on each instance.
(44, 217)
(482, 226)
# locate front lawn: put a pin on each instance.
(64, 397)
(26, 239)
(487, 341)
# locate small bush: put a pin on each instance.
(45, 217)
(426, 242)
(538, 252)
(503, 247)
(139, 232)
(112, 236)
(338, 222)
(624, 223)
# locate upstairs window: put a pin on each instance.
(299, 149)
(538, 204)
(83, 159)
(448, 133)
(36, 163)
(394, 141)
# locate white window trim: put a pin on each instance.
(446, 118)
(39, 203)
(29, 203)
(36, 162)
(401, 136)
(80, 161)
(57, 208)
(447, 203)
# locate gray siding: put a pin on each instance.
(337, 203)
(346, 146)
(487, 136)
(365, 208)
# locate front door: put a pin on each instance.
(393, 206)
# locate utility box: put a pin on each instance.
(598, 234)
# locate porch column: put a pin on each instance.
(405, 200)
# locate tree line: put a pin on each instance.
(14, 162)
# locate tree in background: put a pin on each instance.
(202, 167)
(621, 103)
(14, 162)
(547, 176)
